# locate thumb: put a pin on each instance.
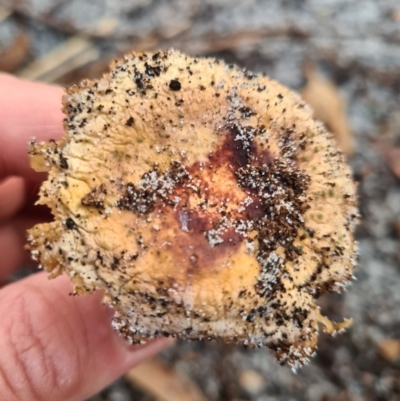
(58, 347)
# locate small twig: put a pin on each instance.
(324, 97)
(43, 68)
(15, 55)
(70, 55)
(4, 13)
(79, 61)
(164, 383)
(212, 43)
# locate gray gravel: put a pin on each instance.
(357, 45)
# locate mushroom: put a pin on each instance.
(203, 200)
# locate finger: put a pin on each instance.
(58, 347)
(27, 109)
(12, 255)
(19, 196)
(12, 197)
(12, 242)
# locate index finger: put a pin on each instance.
(27, 110)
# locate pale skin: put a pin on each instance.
(53, 346)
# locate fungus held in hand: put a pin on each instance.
(203, 200)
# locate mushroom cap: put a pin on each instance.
(203, 199)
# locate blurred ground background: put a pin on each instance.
(355, 47)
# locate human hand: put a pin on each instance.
(53, 346)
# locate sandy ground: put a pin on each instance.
(356, 44)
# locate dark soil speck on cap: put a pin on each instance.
(175, 85)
